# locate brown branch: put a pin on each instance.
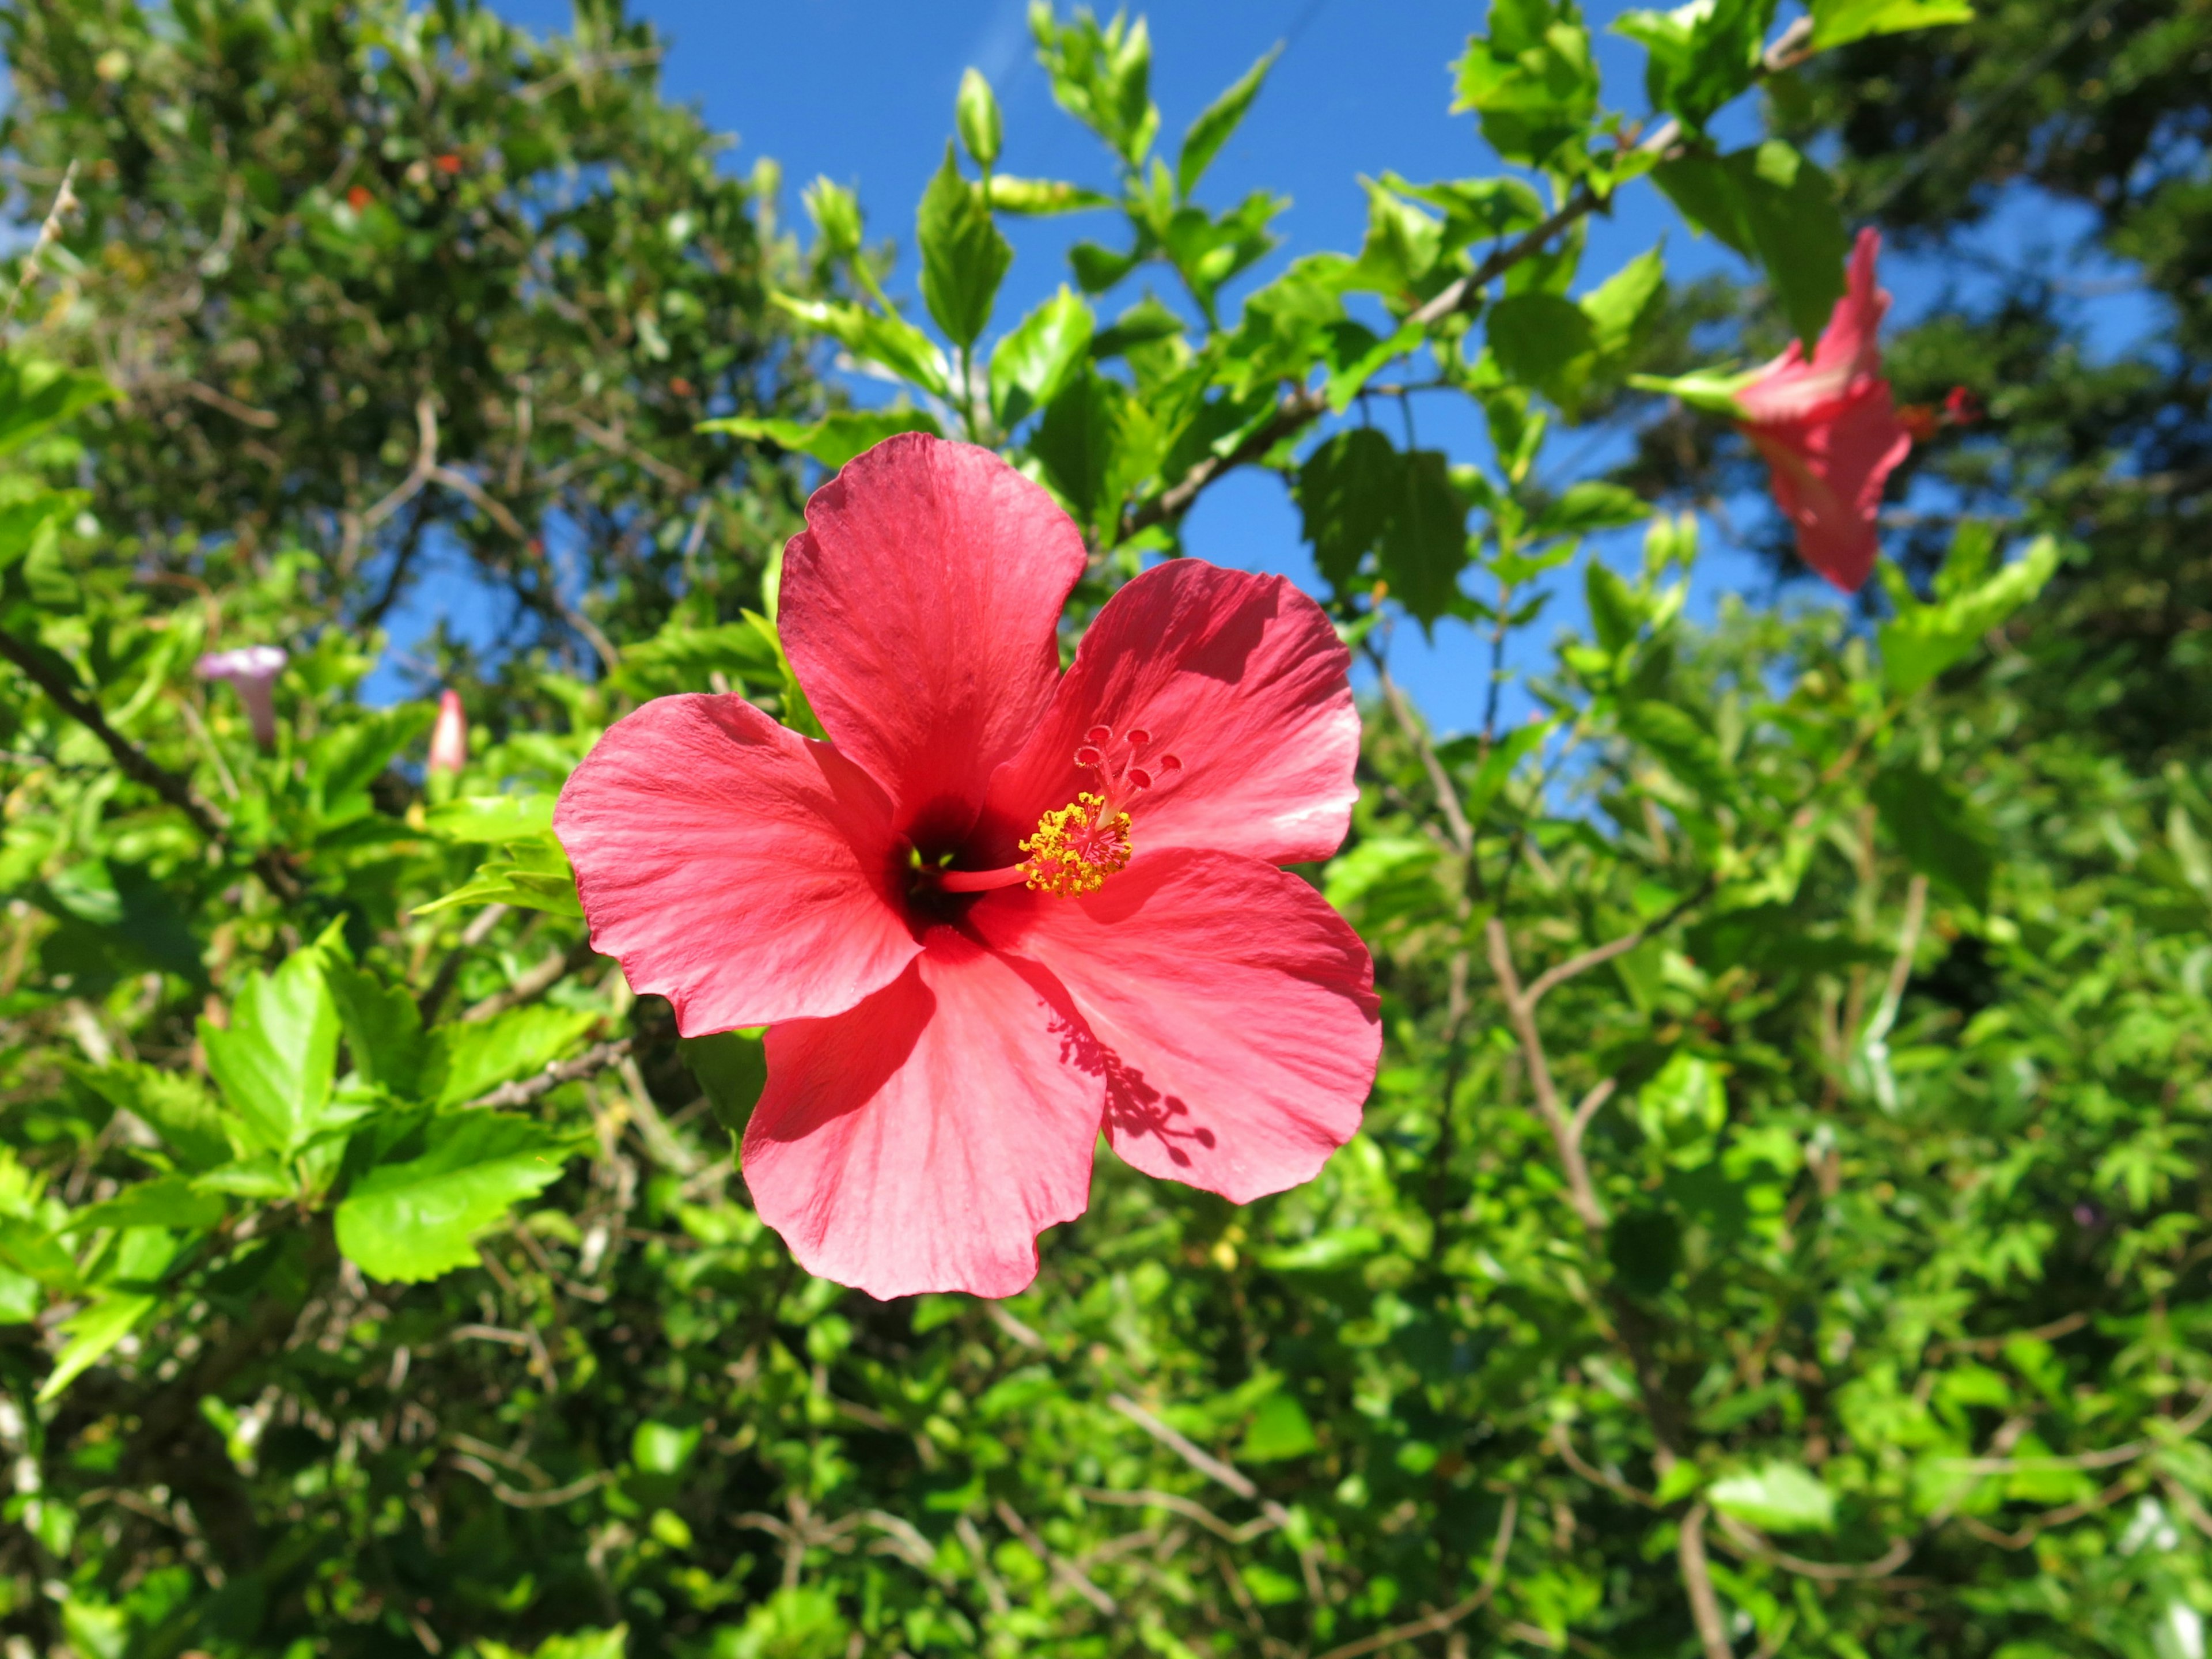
(140, 768)
(1190, 1509)
(1444, 1617)
(528, 1500)
(1521, 1013)
(49, 231)
(1203, 1461)
(1301, 407)
(1062, 1569)
(1698, 1583)
(1750, 1542)
(203, 392)
(523, 1090)
(531, 982)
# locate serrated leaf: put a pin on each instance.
(172, 1201)
(1424, 546)
(1923, 640)
(177, 1105)
(883, 339)
(963, 257)
(416, 1219)
(467, 1060)
(382, 1025)
(1345, 490)
(533, 875)
(276, 1063)
(1770, 204)
(1033, 363)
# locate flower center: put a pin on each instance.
(1076, 847)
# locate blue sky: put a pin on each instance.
(862, 91)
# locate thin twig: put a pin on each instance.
(1444, 1617)
(1062, 1568)
(1698, 1583)
(1521, 1013)
(49, 231)
(523, 1090)
(141, 768)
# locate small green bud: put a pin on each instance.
(976, 114)
(836, 215)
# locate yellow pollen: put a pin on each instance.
(1077, 847)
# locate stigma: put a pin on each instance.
(1077, 847)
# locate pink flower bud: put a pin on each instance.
(449, 738)
(252, 670)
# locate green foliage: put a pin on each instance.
(1782, 1192)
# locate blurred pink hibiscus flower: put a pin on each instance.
(1002, 907)
(1828, 432)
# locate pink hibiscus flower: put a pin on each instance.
(1826, 429)
(1002, 907)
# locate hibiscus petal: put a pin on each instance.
(922, 1141)
(919, 607)
(1240, 678)
(1235, 1013)
(1828, 477)
(734, 867)
(1848, 353)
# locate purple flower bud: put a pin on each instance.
(253, 670)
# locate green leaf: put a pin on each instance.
(172, 1201)
(93, 1331)
(1938, 831)
(1102, 77)
(275, 1062)
(1532, 82)
(1092, 443)
(1541, 340)
(1616, 613)
(1216, 122)
(1773, 206)
(1587, 506)
(1682, 1108)
(21, 1297)
(413, 1220)
(1031, 365)
(1345, 489)
(1839, 22)
(467, 1060)
(37, 395)
(834, 440)
(175, 1104)
(976, 113)
(492, 820)
(1279, 1428)
(881, 337)
(1777, 1497)
(1701, 55)
(1038, 196)
(963, 257)
(1923, 640)
(1424, 546)
(531, 875)
(345, 759)
(1381, 865)
(732, 1066)
(663, 1448)
(383, 1028)
(1680, 743)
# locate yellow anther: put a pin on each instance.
(1077, 847)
